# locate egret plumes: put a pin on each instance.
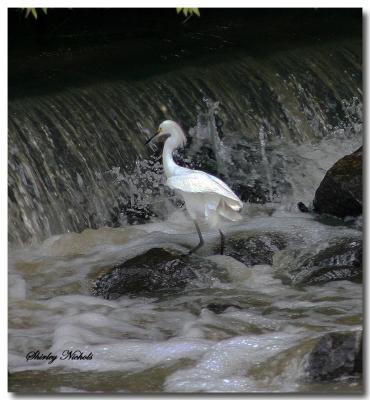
(207, 198)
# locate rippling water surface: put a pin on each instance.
(270, 125)
(173, 342)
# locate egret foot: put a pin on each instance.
(201, 241)
(222, 243)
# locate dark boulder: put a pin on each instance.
(340, 259)
(336, 355)
(156, 271)
(340, 192)
(253, 248)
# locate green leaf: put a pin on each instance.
(196, 11)
(33, 11)
(190, 11)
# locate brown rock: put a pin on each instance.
(340, 192)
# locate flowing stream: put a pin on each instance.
(67, 149)
(85, 194)
(174, 342)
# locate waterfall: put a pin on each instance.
(77, 157)
(265, 162)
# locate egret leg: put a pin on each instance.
(201, 241)
(222, 243)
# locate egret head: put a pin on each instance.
(171, 129)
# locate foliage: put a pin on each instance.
(33, 11)
(185, 11)
(190, 11)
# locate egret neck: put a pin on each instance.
(207, 197)
(169, 165)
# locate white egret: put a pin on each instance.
(207, 198)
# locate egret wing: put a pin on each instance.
(201, 182)
(224, 186)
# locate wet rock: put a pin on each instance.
(220, 308)
(340, 192)
(302, 207)
(253, 193)
(337, 355)
(339, 259)
(235, 269)
(157, 270)
(253, 248)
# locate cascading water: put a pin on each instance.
(62, 146)
(270, 126)
(265, 162)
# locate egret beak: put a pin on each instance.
(151, 138)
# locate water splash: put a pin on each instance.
(265, 162)
(256, 343)
(62, 145)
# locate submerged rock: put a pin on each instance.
(219, 308)
(340, 259)
(253, 248)
(340, 192)
(157, 270)
(337, 355)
